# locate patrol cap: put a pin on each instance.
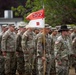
(22, 24)
(16, 28)
(54, 29)
(58, 27)
(46, 25)
(50, 27)
(11, 24)
(4, 25)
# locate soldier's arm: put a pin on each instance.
(4, 41)
(39, 46)
(24, 43)
(17, 42)
(52, 47)
(74, 46)
(0, 41)
(57, 49)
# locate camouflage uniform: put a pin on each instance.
(74, 45)
(8, 41)
(20, 55)
(28, 47)
(73, 35)
(70, 56)
(2, 64)
(74, 50)
(54, 37)
(48, 53)
(2, 61)
(0, 42)
(62, 52)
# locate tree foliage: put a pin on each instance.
(57, 12)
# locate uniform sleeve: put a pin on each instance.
(0, 41)
(18, 42)
(57, 49)
(24, 43)
(4, 41)
(39, 46)
(52, 47)
(74, 45)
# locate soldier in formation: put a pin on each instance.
(2, 61)
(8, 50)
(30, 51)
(28, 47)
(74, 50)
(62, 51)
(19, 52)
(45, 49)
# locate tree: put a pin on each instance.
(57, 12)
(22, 11)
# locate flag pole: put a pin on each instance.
(44, 62)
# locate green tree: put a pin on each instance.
(22, 11)
(57, 12)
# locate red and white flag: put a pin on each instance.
(36, 19)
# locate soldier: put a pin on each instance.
(8, 50)
(54, 37)
(74, 50)
(16, 30)
(74, 45)
(70, 42)
(54, 34)
(36, 30)
(19, 52)
(44, 52)
(28, 47)
(73, 35)
(2, 61)
(63, 51)
(4, 29)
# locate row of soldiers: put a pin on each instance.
(37, 51)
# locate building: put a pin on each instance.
(8, 18)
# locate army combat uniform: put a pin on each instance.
(47, 45)
(74, 50)
(8, 41)
(2, 61)
(62, 52)
(28, 47)
(19, 54)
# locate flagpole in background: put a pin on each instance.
(44, 51)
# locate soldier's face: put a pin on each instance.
(55, 32)
(66, 33)
(24, 29)
(75, 30)
(12, 28)
(47, 30)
